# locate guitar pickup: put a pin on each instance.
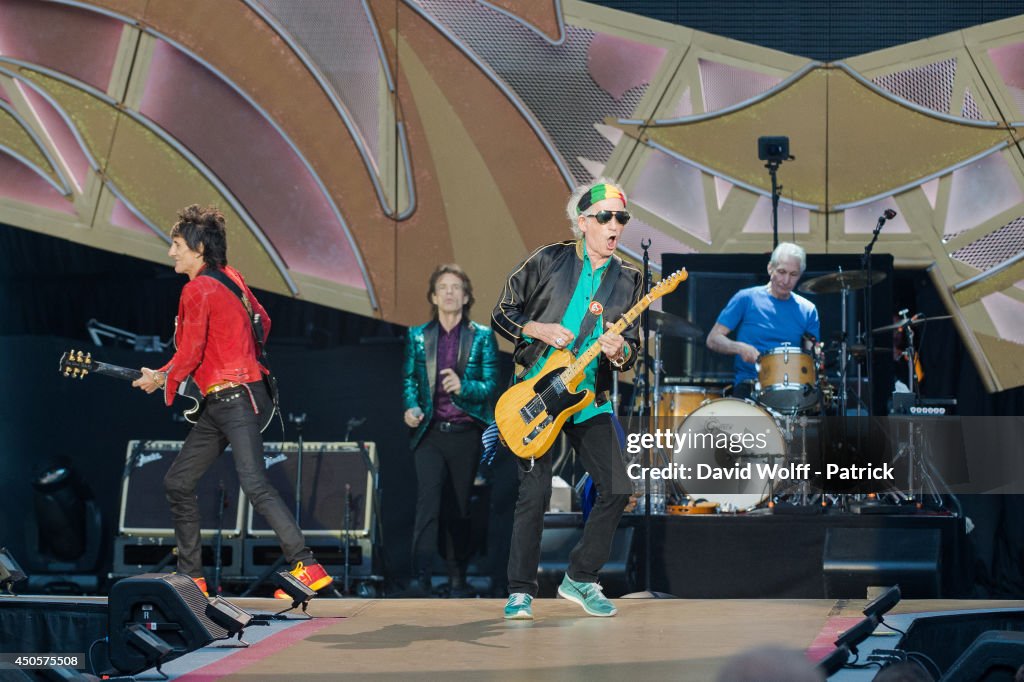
(532, 409)
(536, 432)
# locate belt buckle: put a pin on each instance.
(444, 427)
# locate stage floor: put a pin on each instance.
(467, 639)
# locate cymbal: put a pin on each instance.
(838, 281)
(909, 322)
(673, 325)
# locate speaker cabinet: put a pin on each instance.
(992, 656)
(555, 545)
(857, 558)
(327, 468)
(134, 554)
(169, 606)
(144, 507)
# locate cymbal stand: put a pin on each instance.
(656, 387)
(843, 350)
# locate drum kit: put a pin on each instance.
(792, 385)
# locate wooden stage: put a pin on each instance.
(467, 639)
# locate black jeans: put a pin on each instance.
(596, 442)
(228, 417)
(442, 458)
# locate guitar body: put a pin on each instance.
(530, 414)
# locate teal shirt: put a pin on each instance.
(579, 304)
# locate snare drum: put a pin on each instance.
(679, 401)
(738, 421)
(787, 380)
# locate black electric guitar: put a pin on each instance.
(531, 413)
(78, 365)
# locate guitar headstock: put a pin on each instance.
(668, 284)
(76, 364)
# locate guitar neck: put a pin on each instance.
(580, 364)
(115, 371)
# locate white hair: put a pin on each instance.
(787, 250)
(574, 200)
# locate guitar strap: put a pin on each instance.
(611, 276)
(269, 380)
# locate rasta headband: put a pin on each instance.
(598, 193)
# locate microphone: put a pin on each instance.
(889, 214)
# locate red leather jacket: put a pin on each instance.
(213, 336)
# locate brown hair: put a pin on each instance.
(467, 286)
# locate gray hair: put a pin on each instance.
(577, 194)
(787, 250)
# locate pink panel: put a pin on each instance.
(60, 135)
(862, 219)
(792, 220)
(4, 96)
(1009, 62)
(931, 191)
(673, 190)
(684, 107)
(73, 41)
(981, 190)
(21, 183)
(618, 64)
(724, 85)
(722, 189)
(660, 242)
(1007, 314)
(253, 160)
(121, 216)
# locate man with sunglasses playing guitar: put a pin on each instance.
(560, 290)
(215, 337)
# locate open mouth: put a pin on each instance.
(612, 241)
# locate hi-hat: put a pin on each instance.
(838, 281)
(673, 325)
(909, 322)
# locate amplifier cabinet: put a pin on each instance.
(144, 507)
(326, 469)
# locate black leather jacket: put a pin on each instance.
(539, 290)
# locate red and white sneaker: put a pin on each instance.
(311, 575)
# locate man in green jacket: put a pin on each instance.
(450, 375)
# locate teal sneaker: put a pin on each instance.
(518, 607)
(587, 595)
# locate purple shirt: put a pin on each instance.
(447, 358)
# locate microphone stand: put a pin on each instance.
(645, 409)
(866, 260)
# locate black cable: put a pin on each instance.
(913, 655)
(88, 655)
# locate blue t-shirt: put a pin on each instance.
(766, 322)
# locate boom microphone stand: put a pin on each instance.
(866, 259)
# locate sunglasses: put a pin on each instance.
(602, 217)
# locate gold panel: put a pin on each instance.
(849, 141)
(1006, 359)
(14, 136)
(155, 177)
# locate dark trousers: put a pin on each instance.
(596, 442)
(228, 417)
(445, 463)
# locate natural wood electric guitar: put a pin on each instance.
(531, 414)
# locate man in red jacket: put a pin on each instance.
(216, 347)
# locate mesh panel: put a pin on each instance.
(723, 85)
(551, 80)
(339, 40)
(929, 86)
(970, 108)
(994, 248)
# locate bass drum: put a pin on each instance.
(726, 435)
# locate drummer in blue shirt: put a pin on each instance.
(765, 317)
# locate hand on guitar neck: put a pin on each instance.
(151, 380)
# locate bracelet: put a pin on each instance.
(164, 381)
